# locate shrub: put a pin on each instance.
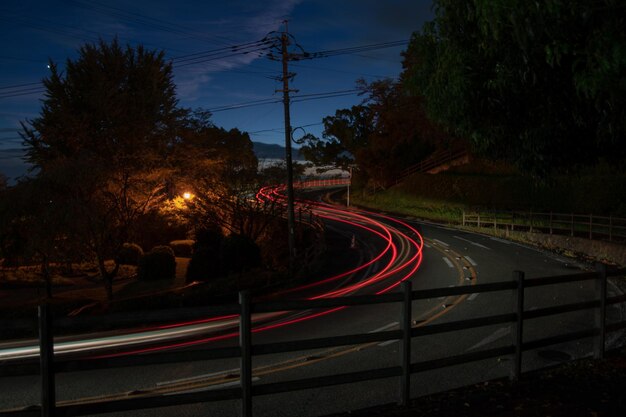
(182, 248)
(204, 265)
(205, 261)
(130, 254)
(158, 264)
(209, 238)
(239, 253)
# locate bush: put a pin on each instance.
(210, 238)
(239, 253)
(130, 254)
(158, 264)
(182, 248)
(205, 261)
(204, 265)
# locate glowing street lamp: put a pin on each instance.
(187, 195)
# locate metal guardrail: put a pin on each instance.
(582, 225)
(48, 366)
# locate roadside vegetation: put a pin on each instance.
(478, 186)
(120, 171)
(535, 93)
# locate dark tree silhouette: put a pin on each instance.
(109, 119)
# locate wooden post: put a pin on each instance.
(478, 221)
(590, 226)
(245, 343)
(518, 294)
(46, 361)
(600, 313)
(530, 220)
(572, 224)
(405, 351)
(550, 222)
(463, 217)
(610, 228)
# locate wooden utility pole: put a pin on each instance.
(290, 195)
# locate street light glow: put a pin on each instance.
(187, 195)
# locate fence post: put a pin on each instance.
(495, 221)
(591, 226)
(478, 224)
(245, 343)
(572, 225)
(610, 227)
(550, 222)
(463, 217)
(46, 361)
(600, 313)
(530, 220)
(518, 294)
(405, 351)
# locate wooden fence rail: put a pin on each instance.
(246, 391)
(582, 225)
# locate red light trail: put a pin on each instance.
(399, 257)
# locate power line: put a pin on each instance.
(297, 99)
(355, 49)
(10, 87)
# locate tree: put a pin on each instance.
(38, 227)
(538, 84)
(386, 133)
(110, 120)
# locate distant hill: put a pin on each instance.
(266, 151)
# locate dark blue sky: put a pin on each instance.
(33, 31)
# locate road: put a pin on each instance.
(449, 258)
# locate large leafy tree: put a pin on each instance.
(539, 84)
(220, 168)
(107, 122)
(386, 133)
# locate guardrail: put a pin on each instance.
(582, 225)
(49, 366)
(322, 183)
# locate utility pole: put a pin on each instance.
(284, 40)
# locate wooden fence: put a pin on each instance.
(48, 365)
(582, 225)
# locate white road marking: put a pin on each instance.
(506, 242)
(472, 243)
(470, 260)
(440, 242)
(498, 334)
(387, 343)
(447, 261)
(385, 327)
(472, 296)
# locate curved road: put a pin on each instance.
(393, 252)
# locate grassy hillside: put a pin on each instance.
(443, 196)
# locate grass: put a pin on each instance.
(398, 201)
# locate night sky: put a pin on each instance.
(34, 31)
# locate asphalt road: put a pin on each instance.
(450, 258)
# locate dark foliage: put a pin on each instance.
(158, 264)
(130, 254)
(541, 85)
(238, 254)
